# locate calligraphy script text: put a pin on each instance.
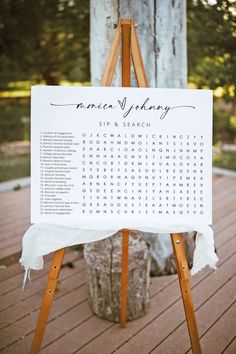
(125, 106)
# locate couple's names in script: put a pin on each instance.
(125, 106)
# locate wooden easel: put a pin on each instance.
(125, 34)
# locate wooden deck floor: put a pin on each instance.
(72, 328)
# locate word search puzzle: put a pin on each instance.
(120, 154)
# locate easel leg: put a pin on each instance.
(126, 53)
(126, 81)
(47, 300)
(124, 277)
(184, 275)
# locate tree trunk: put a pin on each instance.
(161, 26)
(103, 263)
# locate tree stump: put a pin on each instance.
(103, 263)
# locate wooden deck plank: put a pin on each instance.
(93, 332)
(10, 271)
(222, 195)
(80, 336)
(37, 286)
(11, 196)
(207, 314)
(231, 349)
(219, 183)
(141, 337)
(76, 313)
(21, 311)
(221, 223)
(109, 334)
(14, 237)
(221, 333)
(223, 199)
(70, 322)
(112, 335)
(73, 328)
(12, 229)
(26, 325)
(32, 302)
(15, 276)
(20, 218)
(47, 328)
(11, 250)
(223, 208)
(225, 191)
(14, 220)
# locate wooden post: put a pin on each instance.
(184, 276)
(47, 300)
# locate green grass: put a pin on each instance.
(225, 160)
(14, 167)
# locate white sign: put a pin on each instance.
(137, 155)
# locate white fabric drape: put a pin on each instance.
(42, 239)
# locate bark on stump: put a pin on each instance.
(103, 263)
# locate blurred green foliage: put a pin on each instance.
(48, 41)
(44, 40)
(14, 167)
(225, 160)
(224, 126)
(14, 120)
(211, 45)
